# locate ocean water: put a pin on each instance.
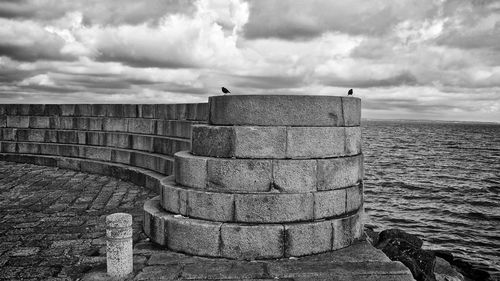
(438, 180)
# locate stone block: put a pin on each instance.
(190, 171)
(190, 111)
(68, 109)
(3, 108)
(146, 110)
(94, 167)
(99, 110)
(354, 195)
(353, 140)
(239, 141)
(193, 236)
(83, 110)
(294, 175)
(173, 199)
(163, 145)
(18, 121)
(351, 107)
(346, 231)
(9, 134)
(242, 175)
(96, 138)
(202, 112)
(67, 136)
(39, 122)
(55, 122)
(50, 136)
(273, 207)
(252, 241)
(67, 123)
(97, 153)
(120, 156)
(82, 123)
(95, 124)
(115, 110)
(143, 160)
(118, 140)
(115, 124)
(52, 110)
(67, 163)
(315, 142)
(3, 121)
(278, 110)
(69, 150)
(210, 205)
(308, 238)
(17, 109)
(130, 110)
(8, 147)
(161, 111)
(141, 126)
(329, 203)
(49, 149)
(36, 109)
(336, 173)
(82, 137)
(141, 142)
(35, 135)
(28, 148)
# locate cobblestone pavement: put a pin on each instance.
(52, 221)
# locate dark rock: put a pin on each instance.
(444, 271)
(395, 233)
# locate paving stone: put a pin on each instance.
(223, 271)
(24, 251)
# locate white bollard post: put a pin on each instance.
(119, 256)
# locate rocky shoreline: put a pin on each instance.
(425, 265)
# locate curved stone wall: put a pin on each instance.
(134, 142)
(268, 177)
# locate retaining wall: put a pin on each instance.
(134, 142)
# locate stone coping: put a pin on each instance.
(248, 241)
(284, 110)
(275, 141)
(264, 207)
(262, 175)
(190, 111)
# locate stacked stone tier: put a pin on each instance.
(248, 241)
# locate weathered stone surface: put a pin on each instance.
(275, 110)
(354, 195)
(190, 171)
(39, 122)
(308, 238)
(141, 126)
(273, 207)
(239, 141)
(99, 109)
(248, 175)
(294, 175)
(336, 173)
(315, 142)
(352, 140)
(18, 121)
(30, 148)
(119, 255)
(252, 241)
(193, 236)
(329, 203)
(216, 270)
(140, 142)
(118, 140)
(351, 108)
(115, 124)
(210, 205)
(346, 230)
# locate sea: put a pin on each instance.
(438, 180)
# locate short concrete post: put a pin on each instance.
(119, 244)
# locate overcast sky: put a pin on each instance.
(411, 59)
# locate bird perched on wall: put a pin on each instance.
(225, 91)
(349, 93)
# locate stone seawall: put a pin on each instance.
(134, 142)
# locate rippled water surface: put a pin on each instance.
(438, 180)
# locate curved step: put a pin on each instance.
(156, 162)
(248, 241)
(262, 175)
(277, 142)
(143, 126)
(262, 207)
(148, 143)
(142, 177)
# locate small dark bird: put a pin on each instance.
(225, 91)
(349, 93)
